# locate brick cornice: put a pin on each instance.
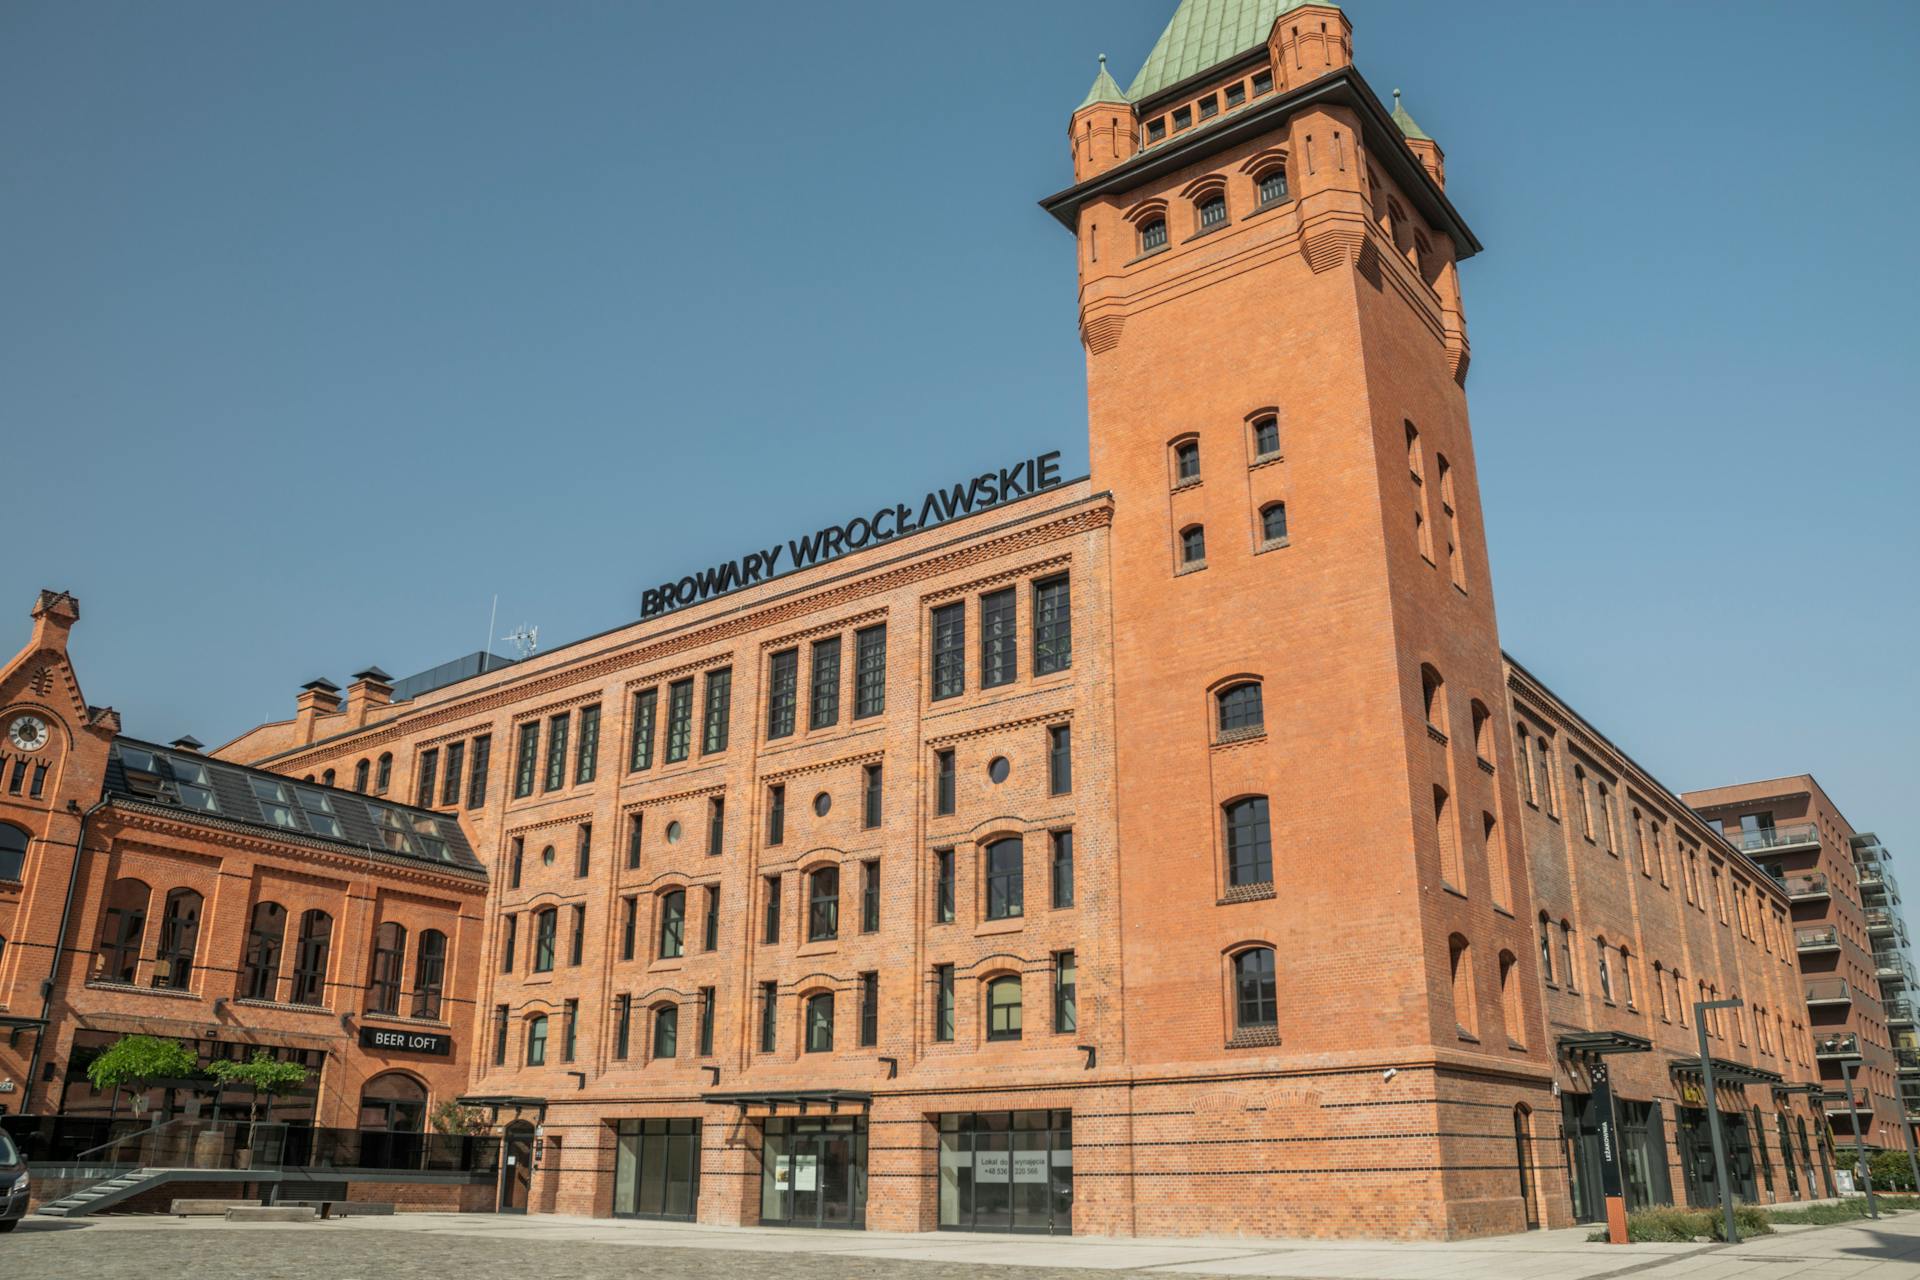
(655, 802)
(824, 629)
(1061, 716)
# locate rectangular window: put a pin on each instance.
(869, 1009)
(1209, 107)
(673, 924)
(1063, 868)
(1182, 118)
(870, 797)
(450, 783)
(570, 1045)
(770, 925)
(706, 1022)
(528, 760)
(1066, 1011)
(783, 691)
(1262, 82)
(586, 763)
(1052, 626)
(622, 1026)
(477, 775)
(629, 925)
(509, 937)
(423, 792)
(557, 751)
(776, 814)
(583, 851)
(1059, 759)
(633, 843)
(710, 927)
(1006, 879)
(518, 861)
(870, 672)
(719, 711)
(826, 684)
(499, 1035)
(999, 643)
(943, 1002)
(679, 720)
(943, 783)
(943, 886)
(870, 896)
(950, 650)
(1156, 130)
(769, 1016)
(640, 755)
(716, 826)
(1236, 94)
(576, 948)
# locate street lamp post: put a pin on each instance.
(1859, 1147)
(1720, 1178)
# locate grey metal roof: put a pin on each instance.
(218, 791)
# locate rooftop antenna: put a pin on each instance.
(525, 641)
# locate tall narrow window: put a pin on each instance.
(824, 700)
(1256, 990)
(636, 826)
(719, 709)
(1499, 878)
(943, 886)
(537, 1040)
(383, 974)
(769, 1016)
(546, 939)
(1003, 1008)
(666, 1030)
(423, 791)
(570, 1030)
(820, 1023)
(999, 643)
(673, 924)
(943, 783)
(711, 940)
(1453, 872)
(383, 773)
(869, 1009)
(429, 973)
(456, 766)
(1066, 1010)
(783, 691)
(640, 753)
(629, 925)
(179, 937)
(870, 896)
(1062, 862)
(870, 672)
(1006, 894)
(1546, 949)
(706, 1021)
(870, 797)
(1249, 841)
(500, 1022)
(509, 941)
(1059, 759)
(1273, 524)
(477, 775)
(1465, 1012)
(1193, 546)
(622, 1027)
(1052, 626)
(1568, 973)
(557, 751)
(823, 905)
(1186, 462)
(679, 720)
(776, 814)
(1433, 698)
(770, 930)
(943, 1002)
(1511, 1008)
(583, 851)
(360, 776)
(261, 978)
(577, 944)
(586, 761)
(310, 959)
(949, 650)
(716, 826)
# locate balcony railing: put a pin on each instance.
(1829, 991)
(1844, 1044)
(234, 1144)
(1882, 921)
(1798, 833)
(1836, 1100)
(1801, 888)
(1900, 1011)
(1822, 939)
(1879, 888)
(1893, 968)
(1906, 1059)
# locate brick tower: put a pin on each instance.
(1276, 359)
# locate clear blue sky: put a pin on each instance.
(322, 323)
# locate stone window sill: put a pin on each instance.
(1192, 566)
(1272, 544)
(1255, 1038)
(135, 988)
(1246, 733)
(1247, 893)
(1266, 460)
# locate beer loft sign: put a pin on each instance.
(405, 1041)
(975, 493)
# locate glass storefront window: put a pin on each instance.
(813, 1173)
(656, 1169)
(1007, 1171)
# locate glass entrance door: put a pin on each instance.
(814, 1173)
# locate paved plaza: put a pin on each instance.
(476, 1247)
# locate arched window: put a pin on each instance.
(1413, 454)
(1566, 956)
(1626, 976)
(673, 925)
(1460, 961)
(1240, 710)
(1495, 855)
(546, 934)
(13, 851)
(1273, 523)
(1006, 879)
(123, 929)
(1482, 730)
(1186, 462)
(1249, 841)
(823, 905)
(429, 973)
(393, 1100)
(1586, 809)
(265, 936)
(1546, 948)
(383, 775)
(1212, 211)
(1256, 990)
(1660, 989)
(1512, 1008)
(310, 960)
(1153, 235)
(1606, 816)
(1525, 761)
(819, 1038)
(1273, 185)
(537, 1040)
(383, 975)
(1266, 437)
(1433, 698)
(179, 934)
(1193, 545)
(666, 1030)
(360, 771)
(1453, 869)
(1605, 969)
(1003, 1008)
(326, 778)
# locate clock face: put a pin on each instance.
(28, 733)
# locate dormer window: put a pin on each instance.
(1156, 130)
(1273, 186)
(1213, 212)
(1182, 119)
(1262, 82)
(1236, 94)
(1153, 235)
(1209, 107)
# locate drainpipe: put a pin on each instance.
(59, 950)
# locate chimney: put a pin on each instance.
(187, 742)
(54, 614)
(317, 698)
(371, 690)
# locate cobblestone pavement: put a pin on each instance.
(483, 1247)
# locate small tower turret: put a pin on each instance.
(1309, 39)
(1103, 130)
(1431, 157)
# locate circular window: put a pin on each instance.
(998, 768)
(673, 833)
(546, 855)
(822, 803)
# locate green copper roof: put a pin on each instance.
(1205, 33)
(1405, 121)
(1104, 89)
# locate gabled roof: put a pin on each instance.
(1206, 33)
(1105, 89)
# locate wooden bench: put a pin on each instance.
(273, 1213)
(344, 1208)
(209, 1208)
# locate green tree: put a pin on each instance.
(263, 1073)
(449, 1116)
(1891, 1172)
(136, 1062)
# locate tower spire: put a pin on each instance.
(1105, 89)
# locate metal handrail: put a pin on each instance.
(1776, 837)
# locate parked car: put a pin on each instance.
(13, 1184)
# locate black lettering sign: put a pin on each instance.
(975, 493)
(1602, 1104)
(400, 1040)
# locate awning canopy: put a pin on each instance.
(1596, 1044)
(1724, 1072)
(799, 1099)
